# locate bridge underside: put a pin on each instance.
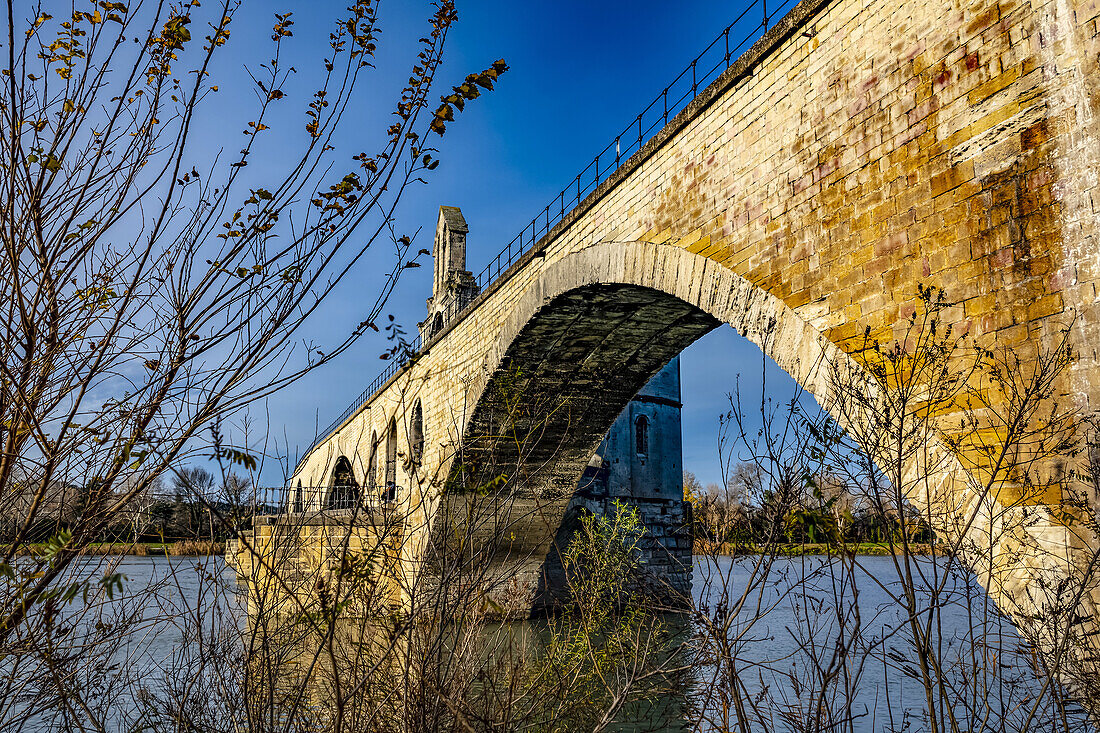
(512, 501)
(564, 380)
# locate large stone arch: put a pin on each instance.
(684, 295)
(561, 344)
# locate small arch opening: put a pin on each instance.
(372, 465)
(389, 489)
(297, 504)
(345, 489)
(416, 434)
(437, 324)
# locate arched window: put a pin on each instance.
(345, 490)
(416, 434)
(641, 436)
(372, 465)
(437, 324)
(389, 490)
(298, 497)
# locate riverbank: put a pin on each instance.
(182, 548)
(873, 549)
(191, 548)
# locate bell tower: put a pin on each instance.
(453, 286)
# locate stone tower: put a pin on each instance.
(453, 286)
(642, 454)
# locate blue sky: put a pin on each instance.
(580, 71)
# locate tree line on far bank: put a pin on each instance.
(749, 511)
(188, 504)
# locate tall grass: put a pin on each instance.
(139, 549)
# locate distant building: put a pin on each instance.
(641, 456)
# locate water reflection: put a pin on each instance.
(799, 644)
(812, 643)
(502, 675)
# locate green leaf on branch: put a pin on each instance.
(240, 457)
(112, 582)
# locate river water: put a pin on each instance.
(807, 619)
(793, 625)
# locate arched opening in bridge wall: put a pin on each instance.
(566, 376)
(593, 329)
(389, 486)
(344, 493)
(571, 369)
(416, 434)
(372, 468)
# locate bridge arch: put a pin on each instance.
(592, 327)
(605, 319)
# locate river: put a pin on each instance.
(782, 640)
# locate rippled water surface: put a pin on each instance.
(788, 629)
(785, 629)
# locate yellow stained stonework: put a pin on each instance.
(282, 560)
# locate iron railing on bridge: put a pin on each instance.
(334, 498)
(722, 52)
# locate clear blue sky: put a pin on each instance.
(579, 72)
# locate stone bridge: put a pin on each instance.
(858, 149)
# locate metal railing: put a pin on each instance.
(722, 52)
(336, 498)
(682, 91)
(398, 357)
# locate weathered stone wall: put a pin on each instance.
(664, 550)
(862, 147)
(291, 563)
